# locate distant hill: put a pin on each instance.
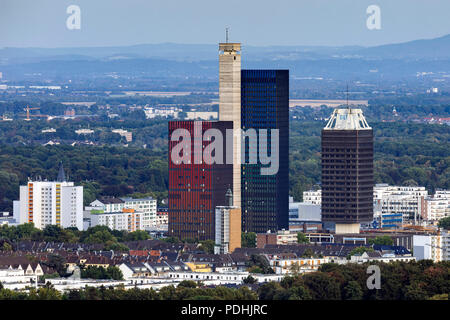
(438, 48)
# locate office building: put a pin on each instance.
(303, 212)
(228, 227)
(265, 107)
(51, 202)
(347, 171)
(196, 188)
(396, 206)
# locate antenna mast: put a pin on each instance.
(226, 31)
(348, 106)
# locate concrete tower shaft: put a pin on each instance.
(230, 105)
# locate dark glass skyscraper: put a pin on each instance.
(265, 105)
(196, 189)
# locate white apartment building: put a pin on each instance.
(127, 220)
(377, 256)
(19, 278)
(147, 206)
(446, 245)
(313, 196)
(51, 202)
(282, 264)
(437, 206)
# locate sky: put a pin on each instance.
(42, 23)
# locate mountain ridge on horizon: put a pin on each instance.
(421, 48)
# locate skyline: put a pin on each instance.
(291, 23)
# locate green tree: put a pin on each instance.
(248, 240)
(353, 291)
(137, 235)
(188, 284)
(322, 286)
(249, 280)
(6, 247)
(308, 253)
(58, 263)
(444, 223)
(207, 246)
(302, 238)
(381, 240)
(359, 250)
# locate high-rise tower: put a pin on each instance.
(347, 170)
(265, 106)
(230, 104)
(196, 188)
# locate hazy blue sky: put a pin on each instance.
(42, 23)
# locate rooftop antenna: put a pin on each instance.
(226, 32)
(348, 106)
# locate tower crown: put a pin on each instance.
(347, 119)
(230, 48)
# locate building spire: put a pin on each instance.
(229, 197)
(61, 173)
(348, 106)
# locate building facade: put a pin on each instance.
(145, 205)
(395, 206)
(196, 188)
(313, 196)
(265, 108)
(51, 203)
(430, 247)
(126, 220)
(228, 229)
(347, 170)
(230, 105)
(437, 206)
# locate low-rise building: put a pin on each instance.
(377, 256)
(290, 263)
(281, 237)
(127, 219)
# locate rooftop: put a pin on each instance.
(347, 119)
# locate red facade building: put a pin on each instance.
(195, 189)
